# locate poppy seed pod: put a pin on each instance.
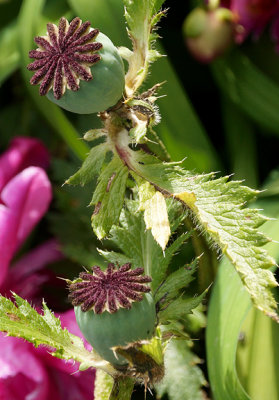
(77, 67)
(113, 308)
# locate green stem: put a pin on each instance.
(103, 385)
(122, 389)
(208, 262)
(241, 143)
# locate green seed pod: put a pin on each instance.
(104, 331)
(111, 309)
(78, 68)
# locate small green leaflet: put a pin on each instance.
(90, 167)
(21, 320)
(141, 16)
(218, 209)
(176, 281)
(178, 309)
(109, 196)
(183, 378)
(138, 245)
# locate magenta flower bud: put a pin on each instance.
(208, 33)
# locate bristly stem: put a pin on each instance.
(122, 389)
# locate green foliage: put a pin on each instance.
(218, 209)
(183, 378)
(9, 54)
(138, 245)
(239, 129)
(108, 389)
(141, 229)
(21, 320)
(141, 16)
(177, 310)
(176, 281)
(103, 385)
(229, 305)
(108, 197)
(258, 351)
(91, 166)
(251, 90)
(180, 127)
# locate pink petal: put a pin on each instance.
(22, 153)
(70, 383)
(79, 385)
(25, 199)
(26, 276)
(22, 375)
(36, 260)
(253, 16)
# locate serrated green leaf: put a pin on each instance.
(109, 196)
(114, 257)
(228, 307)
(91, 166)
(140, 16)
(135, 242)
(139, 246)
(21, 320)
(218, 208)
(179, 308)
(183, 378)
(176, 281)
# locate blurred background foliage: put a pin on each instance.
(222, 116)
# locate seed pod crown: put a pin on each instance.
(77, 67)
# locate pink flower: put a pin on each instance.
(23, 202)
(252, 16)
(22, 153)
(30, 373)
(25, 195)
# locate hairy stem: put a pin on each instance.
(122, 389)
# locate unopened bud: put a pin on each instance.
(208, 33)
